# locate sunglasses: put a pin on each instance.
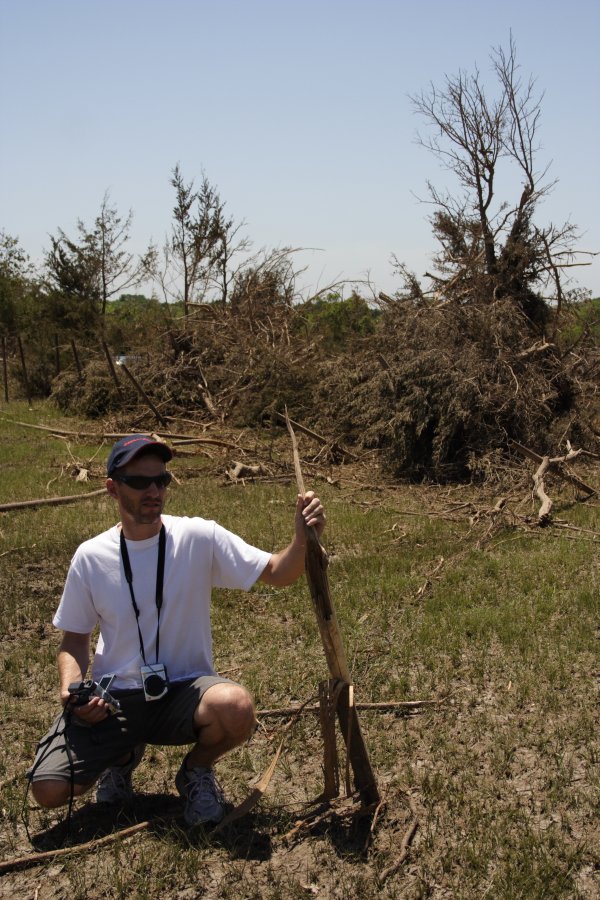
(143, 482)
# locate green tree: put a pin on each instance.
(196, 260)
(15, 283)
(132, 321)
(88, 271)
(337, 321)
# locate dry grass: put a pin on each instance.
(500, 623)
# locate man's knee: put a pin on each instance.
(52, 792)
(231, 706)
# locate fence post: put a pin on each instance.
(24, 368)
(5, 367)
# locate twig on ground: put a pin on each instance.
(384, 706)
(34, 859)
(404, 850)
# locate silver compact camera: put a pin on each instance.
(82, 691)
(154, 681)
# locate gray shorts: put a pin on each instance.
(75, 750)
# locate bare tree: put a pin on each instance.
(230, 243)
(480, 234)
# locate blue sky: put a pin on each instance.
(298, 112)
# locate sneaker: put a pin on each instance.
(204, 800)
(114, 784)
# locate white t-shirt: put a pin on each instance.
(199, 555)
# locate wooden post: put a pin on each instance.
(111, 366)
(316, 574)
(77, 360)
(24, 368)
(5, 367)
(327, 707)
(143, 393)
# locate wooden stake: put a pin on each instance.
(327, 705)
(316, 574)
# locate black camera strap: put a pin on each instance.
(160, 574)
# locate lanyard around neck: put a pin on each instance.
(160, 573)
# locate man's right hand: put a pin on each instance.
(92, 712)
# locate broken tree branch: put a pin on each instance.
(538, 481)
(391, 706)
(556, 463)
(50, 501)
(316, 562)
(143, 394)
(317, 437)
(176, 439)
(34, 859)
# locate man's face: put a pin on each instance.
(140, 507)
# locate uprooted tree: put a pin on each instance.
(476, 356)
(489, 248)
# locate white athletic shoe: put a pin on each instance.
(204, 800)
(114, 784)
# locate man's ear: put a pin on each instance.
(111, 488)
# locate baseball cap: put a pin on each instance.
(126, 448)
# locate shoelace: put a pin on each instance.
(207, 784)
(118, 779)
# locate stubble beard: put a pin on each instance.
(141, 513)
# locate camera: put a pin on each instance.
(154, 681)
(82, 691)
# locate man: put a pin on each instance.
(147, 583)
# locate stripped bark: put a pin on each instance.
(316, 563)
(538, 481)
(556, 463)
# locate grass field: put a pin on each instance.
(495, 789)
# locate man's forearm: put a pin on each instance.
(69, 669)
(286, 566)
(73, 660)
